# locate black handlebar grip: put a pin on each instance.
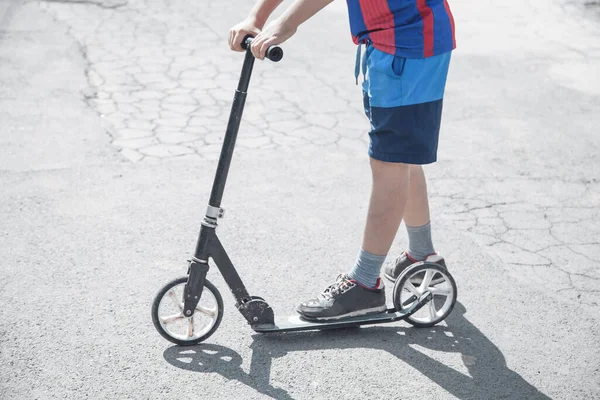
(274, 53)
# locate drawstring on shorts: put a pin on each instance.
(361, 60)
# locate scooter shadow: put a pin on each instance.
(489, 377)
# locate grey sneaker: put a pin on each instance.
(345, 298)
(393, 270)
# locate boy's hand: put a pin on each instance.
(276, 32)
(239, 32)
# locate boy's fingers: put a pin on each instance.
(237, 45)
(256, 46)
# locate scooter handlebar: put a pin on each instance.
(274, 53)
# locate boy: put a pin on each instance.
(408, 47)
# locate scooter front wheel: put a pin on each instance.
(168, 318)
(420, 281)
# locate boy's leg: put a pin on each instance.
(416, 216)
(416, 212)
(389, 195)
(362, 290)
(418, 227)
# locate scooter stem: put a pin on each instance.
(235, 117)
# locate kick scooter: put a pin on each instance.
(189, 309)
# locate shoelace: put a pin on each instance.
(400, 258)
(342, 284)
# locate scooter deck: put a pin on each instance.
(295, 323)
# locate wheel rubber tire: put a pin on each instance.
(162, 292)
(410, 271)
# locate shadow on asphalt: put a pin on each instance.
(489, 377)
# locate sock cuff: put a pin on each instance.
(419, 241)
(365, 255)
(419, 228)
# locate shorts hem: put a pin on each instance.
(417, 159)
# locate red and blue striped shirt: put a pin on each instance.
(405, 28)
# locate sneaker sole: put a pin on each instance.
(359, 313)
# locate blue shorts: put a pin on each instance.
(403, 101)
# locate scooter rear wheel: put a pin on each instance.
(168, 318)
(433, 279)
